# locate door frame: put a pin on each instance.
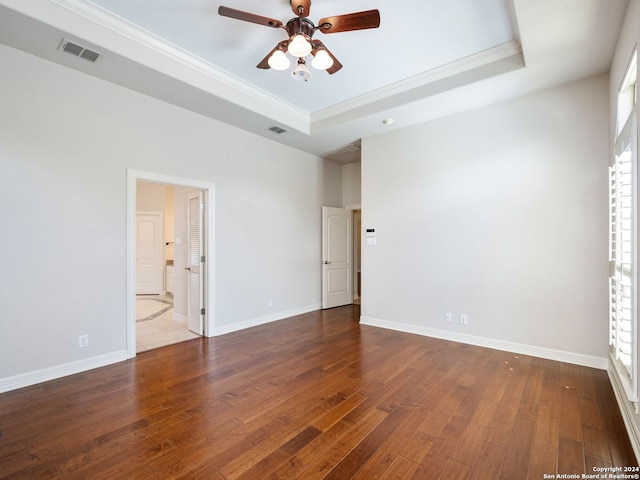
(357, 263)
(208, 190)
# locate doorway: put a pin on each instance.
(161, 316)
(170, 309)
(357, 255)
(341, 256)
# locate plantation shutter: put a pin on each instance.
(623, 278)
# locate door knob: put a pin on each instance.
(187, 268)
(326, 263)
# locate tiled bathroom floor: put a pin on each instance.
(155, 326)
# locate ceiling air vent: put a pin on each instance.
(277, 129)
(78, 50)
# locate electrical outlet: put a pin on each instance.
(83, 341)
(447, 317)
(269, 303)
(463, 319)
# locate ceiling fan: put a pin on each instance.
(300, 31)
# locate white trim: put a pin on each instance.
(148, 40)
(254, 322)
(179, 318)
(541, 352)
(51, 373)
(626, 410)
(209, 194)
(470, 63)
(87, 21)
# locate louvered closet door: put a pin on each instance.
(195, 260)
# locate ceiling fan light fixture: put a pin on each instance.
(299, 46)
(301, 72)
(300, 31)
(279, 61)
(322, 60)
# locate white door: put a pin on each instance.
(195, 259)
(149, 253)
(336, 257)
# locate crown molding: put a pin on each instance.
(403, 88)
(113, 33)
(116, 35)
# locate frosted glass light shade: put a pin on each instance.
(322, 60)
(301, 72)
(279, 61)
(299, 47)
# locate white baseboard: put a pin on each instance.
(626, 410)
(254, 322)
(548, 353)
(180, 318)
(38, 376)
(31, 378)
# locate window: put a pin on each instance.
(628, 94)
(623, 209)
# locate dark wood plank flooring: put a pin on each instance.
(316, 396)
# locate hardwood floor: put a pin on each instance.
(316, 396)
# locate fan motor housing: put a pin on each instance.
(300, 25)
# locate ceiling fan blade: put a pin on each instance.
(305, 4)
(336, 64)
(249, 17)
(350, 21)
(264, 63)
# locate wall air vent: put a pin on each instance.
(78, 50)
(277, 129)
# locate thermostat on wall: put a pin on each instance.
(371, 236)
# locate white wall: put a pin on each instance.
(151, 197)
(66, 142)
(155, 197)
(499, 213)
(351, 184)
(629, 39)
